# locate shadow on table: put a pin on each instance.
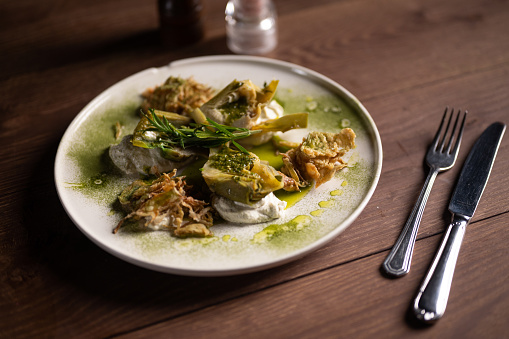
(77, 269)
(146, 45)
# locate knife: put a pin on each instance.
(430, 303)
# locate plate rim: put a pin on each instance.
(314, 76)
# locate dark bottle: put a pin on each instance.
(180, 22)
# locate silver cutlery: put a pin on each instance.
(430, 303)
(440, 157)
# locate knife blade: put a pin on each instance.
(431, 300)
(476, 171)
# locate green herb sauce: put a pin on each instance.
(232, 161)
(234, 110)
(326, 114)
(274, 230)
(98, 179)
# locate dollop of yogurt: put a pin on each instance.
(266, 209)
(271, 111)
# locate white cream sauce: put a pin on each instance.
(266, 209)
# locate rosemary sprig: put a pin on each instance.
(228, 133)
(201, 135)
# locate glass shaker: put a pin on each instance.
(251, 26)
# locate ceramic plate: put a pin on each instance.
(88, 191)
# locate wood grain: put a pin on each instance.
(405, 61)
(330, 303)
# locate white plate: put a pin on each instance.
(88, 195)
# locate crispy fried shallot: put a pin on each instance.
(177, 95)
(164, 203)
(318, 157)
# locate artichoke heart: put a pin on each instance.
(240, 103)
(240, 176)
(245, 105)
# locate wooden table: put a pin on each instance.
(405, 60)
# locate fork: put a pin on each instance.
(439, 159)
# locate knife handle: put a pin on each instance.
(430, 303)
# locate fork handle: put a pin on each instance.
(398, 261)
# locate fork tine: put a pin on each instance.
(451, 138)
(460, 134)
(439, 132)
(441, 146)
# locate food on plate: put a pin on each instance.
(162, 133)
(182, 121)
(318, 157)
(165, 203)
(161, 143)
(240, 104)
(133, 160)
(243, 104)
(177, 95)
(242, 176)
(267, 208)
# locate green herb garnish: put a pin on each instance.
(201, 135)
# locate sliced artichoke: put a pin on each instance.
(270, 126)
(240, 103)
(284, 123)
(240, 176)
(243, 104)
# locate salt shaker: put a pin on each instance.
(251, 26)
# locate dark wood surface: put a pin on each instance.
(405, 61)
